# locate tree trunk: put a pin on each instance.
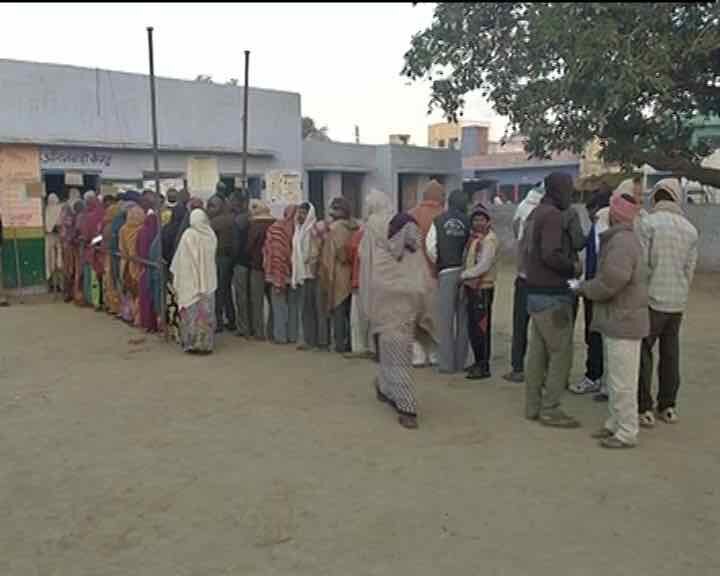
(678, 166)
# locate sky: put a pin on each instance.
(343, 59)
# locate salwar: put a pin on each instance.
(395, 380)
(665, 327)
(359, 328)
(341, 326)
(257, 304)
(548, 359)
(452, 323)
(280, 315)
(197, 326)
(521, 321)
(241, 286)
(621, 378)
(479, 303)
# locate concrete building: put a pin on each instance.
(470, 137)
(335, 169)
(96, 123)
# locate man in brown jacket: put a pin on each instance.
(619, 292)
(550, 262)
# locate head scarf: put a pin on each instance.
(623, 209)
(301, 247)
(193, 266)
(434, 192)
(147, 234)
(458, 201)
(52, 213)
(671, 186)
(170, 231)
(341, 205)
(128, 242)
(377, 202)
(89, 195)
(529, 203)
(558, 189)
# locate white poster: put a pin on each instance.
(282, 188)
(202, 176)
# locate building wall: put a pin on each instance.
(67, 105)
(443, 131)
(475, 140)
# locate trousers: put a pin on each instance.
(452, 323)
(241, 286)
(549, 359)
(521, 321)
(621, 378)
(665, 328)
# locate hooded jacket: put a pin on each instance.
(446, 240)
(550, 257)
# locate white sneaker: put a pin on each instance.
(669, 416)
(647, 419)
(585, 386)
(419, 359)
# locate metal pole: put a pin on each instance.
(245, 124)
(156, 166)
(153, 110)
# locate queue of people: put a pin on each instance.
(405, 288)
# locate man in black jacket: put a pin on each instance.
(445, 246)
(241, 265)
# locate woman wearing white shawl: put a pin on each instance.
(53, 247)
(303, 276)
(195, 282)
(393, 295)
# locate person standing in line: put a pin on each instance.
(260, 221)
(359, 326)
(241, 265)
(147, 235)
(168, 206)
(670, 243)
(318, 236)
(445, 246)
(598, 211)
(431, 206)
(521, 318)
(479, 287)
(111, 298)
(303, 276)
(131, 270)
(394, 295)
(620, 294)
(194, 276)
(222, 222)
(277, 263)
(336, 271)
(53, 252)
(551, 262)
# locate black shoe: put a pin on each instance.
(478, 373)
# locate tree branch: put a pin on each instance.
(678, 166)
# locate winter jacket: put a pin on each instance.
(619, 289)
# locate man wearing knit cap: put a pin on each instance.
(619, 294)
(670, 244)
(551, 262)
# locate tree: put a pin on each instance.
(312, 132)
(631, 74)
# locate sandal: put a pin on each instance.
(646, 420)
(614, 443)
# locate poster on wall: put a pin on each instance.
(20, 172)
(282, 188)
(202, 176)
(165, 184)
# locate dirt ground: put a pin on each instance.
(126, 457)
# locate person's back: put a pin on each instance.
(452, 229)
(670, 241)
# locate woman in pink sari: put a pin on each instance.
(148, 233)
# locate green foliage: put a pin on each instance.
(309, 130)
(632, 74)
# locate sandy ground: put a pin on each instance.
(120, 457)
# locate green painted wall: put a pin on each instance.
(31, 252)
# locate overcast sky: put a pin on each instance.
(344, 59)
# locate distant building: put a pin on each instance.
(470, 137)
(335, 169)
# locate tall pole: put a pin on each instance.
(153, 110)
(160, 264)
(245, 124)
